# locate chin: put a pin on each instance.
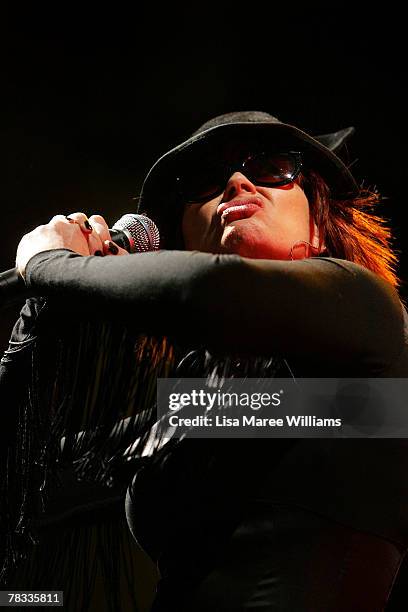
(242, 241)
(244, 248)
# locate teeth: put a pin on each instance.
(231, 208)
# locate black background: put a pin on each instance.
(91, 100)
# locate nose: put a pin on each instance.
(237, 184)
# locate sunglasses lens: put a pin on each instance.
(202, 183)
(207, 179)
(271, 168)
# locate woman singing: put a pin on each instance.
(272, 265)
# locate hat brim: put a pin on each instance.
(317, 156)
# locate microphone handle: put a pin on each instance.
(121, 238)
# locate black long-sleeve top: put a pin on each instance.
(326, 316)
(319, 308)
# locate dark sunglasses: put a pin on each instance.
(208, 179)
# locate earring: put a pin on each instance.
(314, 248)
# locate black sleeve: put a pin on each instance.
(316, 306)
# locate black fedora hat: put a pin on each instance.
(319, 153)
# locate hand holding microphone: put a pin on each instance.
(131, 234)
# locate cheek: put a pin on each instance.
(294, 214)
(195, 222)
(187, 227)
(300, 218)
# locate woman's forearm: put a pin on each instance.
(311, 306)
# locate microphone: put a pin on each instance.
(134, 233)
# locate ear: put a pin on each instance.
(314, 239)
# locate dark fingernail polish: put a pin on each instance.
(88, 225)
(98, 253)
(112, 248)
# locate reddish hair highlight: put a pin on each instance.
(349, 228)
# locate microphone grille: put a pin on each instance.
(142, 230)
